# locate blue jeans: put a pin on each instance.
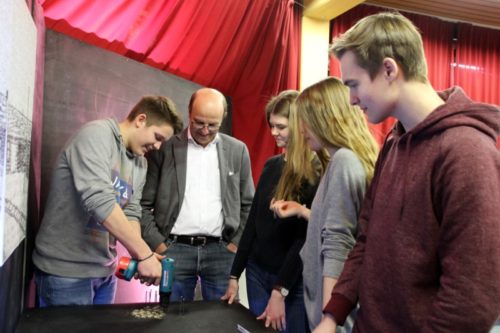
(259, 287)
(55, 290)
(211, 263)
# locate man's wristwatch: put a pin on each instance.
(282, 290)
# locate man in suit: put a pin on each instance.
(196, 200)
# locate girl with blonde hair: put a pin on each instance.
(332, 126)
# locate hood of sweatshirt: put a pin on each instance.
(459, 110)
(115, 127)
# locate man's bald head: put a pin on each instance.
(210, 94)
(207, 109)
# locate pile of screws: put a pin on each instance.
(149, 312)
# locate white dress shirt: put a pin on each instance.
(201, 209)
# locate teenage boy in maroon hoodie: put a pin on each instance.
(427, 258)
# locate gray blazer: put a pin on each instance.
(166, 182)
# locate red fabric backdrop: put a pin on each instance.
(247, 49)
(477, 64)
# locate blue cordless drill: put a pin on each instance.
(127, 267)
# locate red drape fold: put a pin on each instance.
(247, 49)
(477, 64)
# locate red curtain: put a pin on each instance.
(247, 49)
(477, 64)
(438, 51)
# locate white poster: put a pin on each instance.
(17, 80)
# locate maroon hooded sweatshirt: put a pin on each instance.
(427, 258)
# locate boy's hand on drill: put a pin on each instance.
(149, 270)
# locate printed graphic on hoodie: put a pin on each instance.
(123, 189)
(123, 192)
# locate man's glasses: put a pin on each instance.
(198, 125)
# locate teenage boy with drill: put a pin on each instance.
(94, 200)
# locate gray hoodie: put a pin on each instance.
(94, 172)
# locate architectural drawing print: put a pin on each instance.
(16, 172)
(3, 140)
(18, 38)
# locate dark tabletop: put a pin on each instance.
(200, 316)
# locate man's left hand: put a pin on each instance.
(232, 247)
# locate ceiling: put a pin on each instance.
(478, 12)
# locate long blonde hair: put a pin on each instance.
(325, 109)
(301, 163)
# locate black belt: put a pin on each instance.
(194, 240)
